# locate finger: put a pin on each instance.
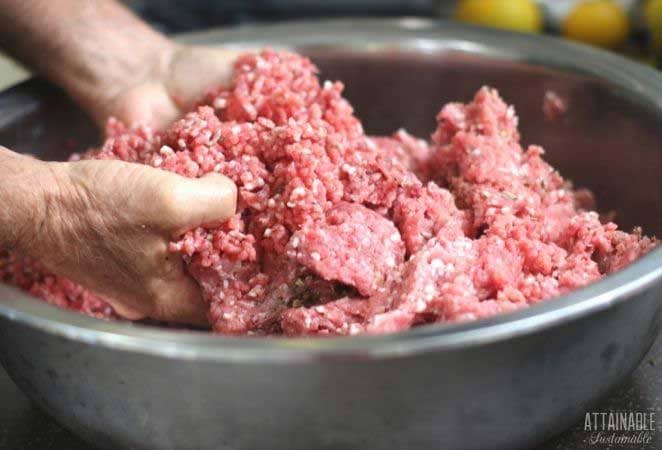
(204, 201)
(148, 104)
(181, 302)
(125, 311)
(193, 70)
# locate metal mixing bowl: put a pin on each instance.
(504, 383)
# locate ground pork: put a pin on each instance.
(341, 233)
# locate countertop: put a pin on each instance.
(25, 427)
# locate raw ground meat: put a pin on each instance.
(353, 245)
(337, 232)
(30, 276)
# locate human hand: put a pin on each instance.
(107, 225)
(109, 61)
(168, 85)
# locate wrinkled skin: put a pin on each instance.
(108, 224)
(169, 86)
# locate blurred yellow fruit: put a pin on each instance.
(653, 15)
(515, 15)
(599, 22)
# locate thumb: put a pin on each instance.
(205, 201)
(193, 69)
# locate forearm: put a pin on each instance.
(92, 48)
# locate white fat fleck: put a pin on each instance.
(166, 150)
(271, 203)
(327, 85)
(270, 124)
(316, 256)
(355, 328)
(390, 261)
(298, 192)
(437, 265)
(220, 103)
(261, 63)
(475, 152)
(181, 143)
(295, 242)
(257, 290)
(510, 112)
(395, 237)
(348, 169)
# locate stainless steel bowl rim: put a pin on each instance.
(637, 81)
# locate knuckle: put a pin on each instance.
(226, 193)
(171, 198)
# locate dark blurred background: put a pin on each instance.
(631, 27)
(177, 16)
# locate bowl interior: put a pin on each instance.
(607, 140)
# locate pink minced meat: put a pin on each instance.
(353, 245)
(30, 276)
(341, 233)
